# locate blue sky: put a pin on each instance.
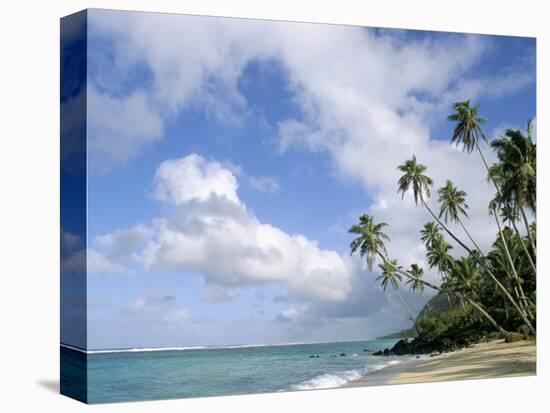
(278, 135)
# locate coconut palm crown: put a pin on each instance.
(414, 177)
(468, 125)
(389, 274)
(370, 240)
(517, 168)
(452, 202)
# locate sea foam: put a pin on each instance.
(329, 381)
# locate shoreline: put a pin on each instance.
(481, 361)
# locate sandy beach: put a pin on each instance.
(481, 361)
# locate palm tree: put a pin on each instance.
(437, 251)
(467, 132)
(517, 155)
(370, 240)
(516, 175)
(430, 234)
(468, 126)
(453, 205)
(414, 177)
(416, 284)
(391, 275)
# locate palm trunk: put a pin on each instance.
(529, 236)
(506, 311)
(525, 249)
(408, 311)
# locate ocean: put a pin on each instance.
(168, 373)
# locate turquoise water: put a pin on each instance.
(150, 374)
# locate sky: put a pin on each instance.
(227, 158)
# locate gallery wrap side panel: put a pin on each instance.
(73, 202)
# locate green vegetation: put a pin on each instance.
(480, 293)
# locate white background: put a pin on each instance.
(29, 206)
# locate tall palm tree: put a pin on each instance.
(390, 275)
(414, 178)
(467, 133)
(416, 284)
(516, 174)
(370, 240)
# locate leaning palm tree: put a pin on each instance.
(453, 205)
(370, 240)
(516, 176)
(467, 133)
(468, 127)
(414, 178)
(391, 275)
(416, 284)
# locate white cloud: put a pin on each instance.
(212, 231)
(191, 178)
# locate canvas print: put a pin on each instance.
(257, 206)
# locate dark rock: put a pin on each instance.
(367, 350)
(342, 354)
(377, 353)
(401, 347)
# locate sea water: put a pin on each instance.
(167, 373)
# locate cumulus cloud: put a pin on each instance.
(212, 231)
(180, 181)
